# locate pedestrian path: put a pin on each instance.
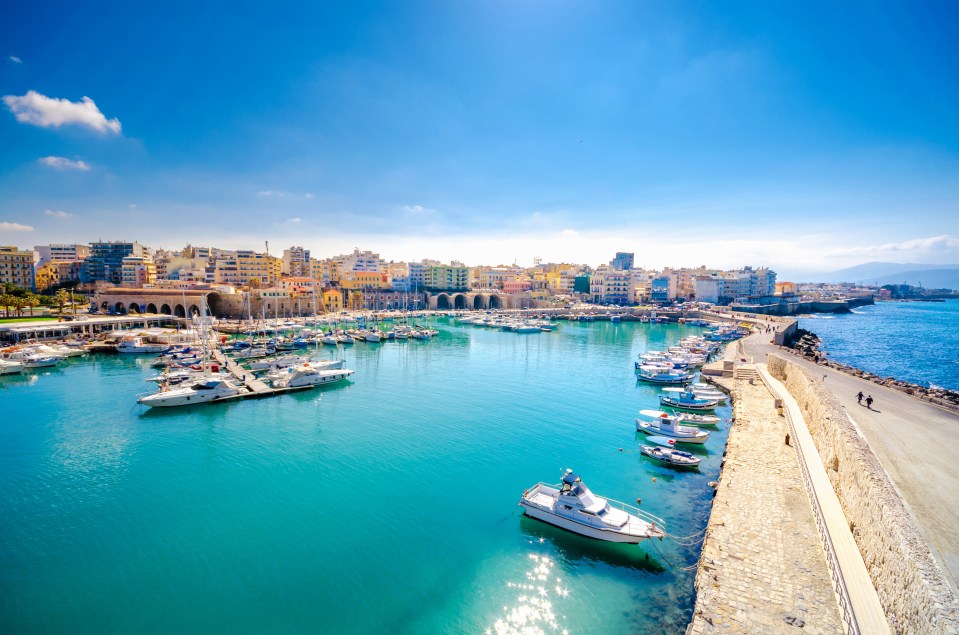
(857, 595)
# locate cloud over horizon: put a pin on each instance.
(59, 214)
(50, 112)
(63, 163)
(15, 227)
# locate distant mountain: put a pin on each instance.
(894, 273)
(926, 278)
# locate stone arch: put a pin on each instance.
(104, 306)
(479, 301)
(443, 301)
(133, 308)
(495, 302)
(214, 303)
(179, 311)
(151, 308)
(166, 310)
(459, 301)
(194, 310)
(118, 308)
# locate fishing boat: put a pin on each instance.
(669, 426)
(671, 456)
(686, 400)
(570, 505)
(662, 375)
(685, 418)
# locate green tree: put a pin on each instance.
(60, 298)
(6, 300)
(31, 300)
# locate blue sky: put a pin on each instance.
(804, 136)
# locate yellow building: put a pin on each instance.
(47, 275)
(325, 271)
(16, 267)
(356, 280)
(333, 300)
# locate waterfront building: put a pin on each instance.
(623, 261)
(357, 280)
(296, 261)
(61, 252)
(399, 273)
(241, 267)
(333, 300)
(137, 271)
(105, 262)
(360, 261)
(786, 288)
(495, 277)
(16, 266)
(711, 289)
(662, 290)
(299, 285)
(452, 277)
(611, 286)
(417, 275)
(517, 286)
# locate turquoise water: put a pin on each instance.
(912, 341)
(387, 504)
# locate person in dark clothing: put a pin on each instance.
(859, 397)
(869, 402)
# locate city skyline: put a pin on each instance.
(490, 133)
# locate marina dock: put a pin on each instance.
(255, 387)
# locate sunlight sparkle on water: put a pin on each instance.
(533, 613)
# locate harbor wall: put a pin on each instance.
(912, 589)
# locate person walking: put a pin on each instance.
(869, 402)
(859, 397)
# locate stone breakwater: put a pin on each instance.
(763, 568)
(912, 589)
(807, 344)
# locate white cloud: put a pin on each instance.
(570, 233)
(14, 227)
(913, 248)
(50, 112)
(62, 163)
(273, 193)
(309, 196)
(59, 213)
(15, 59)
(281, 194)
(295, 219)
(132, 206)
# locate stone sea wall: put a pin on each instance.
(914, 594)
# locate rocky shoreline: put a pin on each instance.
(807, 344)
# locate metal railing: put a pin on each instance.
(839, 582)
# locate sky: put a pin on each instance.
(802, 136)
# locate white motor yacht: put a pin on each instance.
(203, 391)
(9, 367)
(139, 345)
(685, 418)
(571, 506)
(307, 375)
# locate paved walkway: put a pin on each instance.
(908, 436)
(763, 569)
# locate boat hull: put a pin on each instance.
(605, 535)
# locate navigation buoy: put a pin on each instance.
(654, 479)
(639, 501)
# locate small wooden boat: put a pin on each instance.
(671, 456)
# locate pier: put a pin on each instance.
(255, 387)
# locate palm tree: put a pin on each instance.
(6, 301)
(18, 304)
(60, 298)
(31, 300)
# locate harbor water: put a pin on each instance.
(916, 342)
(384, 504)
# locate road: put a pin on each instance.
(914, 440)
